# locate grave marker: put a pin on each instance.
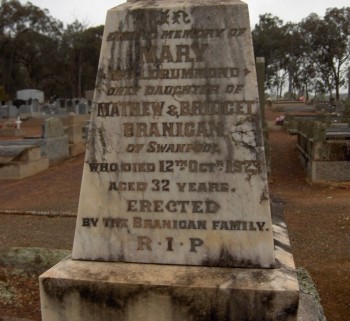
(174, 174)
(12, 111)
(53, 127)
(18, 123)
(175, 168)
(55, 142)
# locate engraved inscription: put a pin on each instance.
(175, 151)
(176, 34)
(141, 223)
(149, 73)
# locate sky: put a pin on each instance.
(93, 12)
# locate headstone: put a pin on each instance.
(61, 103)
(55, 108)
(81, 108)
(176, 154)
(53, 127)
(24, 110)
(75, 126)
(60, 107)
(175, 176)
(70, 108)
(3, 112)
(12, 111)
(55, 142)
(35, 107)
(46, 109)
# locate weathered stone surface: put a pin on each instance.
(175, 168)
(19, 153)
(80, 291)
(86, 291)
(12, 132)
(75, 134)
(18, 170)
(75, 120)
(77, 149)
(319, 171)
(53, 127)
(56, 148)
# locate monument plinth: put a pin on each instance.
(174, 174)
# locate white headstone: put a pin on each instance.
(175, 167)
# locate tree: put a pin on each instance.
(313, 54)
(80, 49)
(36, 51)
(28, 40)
(3, 95)
(293, 60)
(327, 42)
(267, 37)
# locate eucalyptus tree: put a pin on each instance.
(327, 44)
(268, 39)
(80, 49)
(37, 51)
(294, 60)
(29, 38)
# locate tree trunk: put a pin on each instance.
(80, 71)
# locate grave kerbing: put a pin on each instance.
(175, 169)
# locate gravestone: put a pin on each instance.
(56, 107)
(53, 127)
(35, 108)
(70, 106)
(3, 111)
(46, 110)
(12, 111)
(55, 143)
(75, 129)
(176, 155)
(24, 109)
(61, 103)
(175, 174)
(60, 107)
(81, 108)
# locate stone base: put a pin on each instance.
(56, 148)
(323, 171)
(9, 132)
(90, 291)
(19, 170)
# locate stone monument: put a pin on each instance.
(174, 217)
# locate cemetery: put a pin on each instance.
(323, 143)
(173, 195)
(324, 150)
(57, 133)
